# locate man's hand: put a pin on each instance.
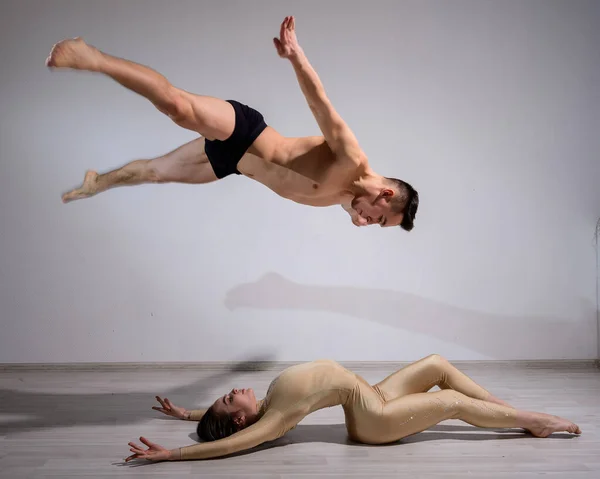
(154, 453)
(170, 409)
(287, 44)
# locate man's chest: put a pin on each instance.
(301, 179)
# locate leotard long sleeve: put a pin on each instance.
(295, 393)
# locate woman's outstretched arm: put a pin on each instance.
(267, 428)
(178, 412)
(195, 414)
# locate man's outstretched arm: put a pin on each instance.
(338, 135)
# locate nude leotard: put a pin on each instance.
(394, 408)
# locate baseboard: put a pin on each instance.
(279, 365)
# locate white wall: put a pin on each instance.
(489, 108)
(597, 239)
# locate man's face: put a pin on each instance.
(375, 210)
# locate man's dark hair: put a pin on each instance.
(405, 201)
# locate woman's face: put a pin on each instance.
(239, 403)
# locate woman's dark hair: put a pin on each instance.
(406, 202)
(213, 426)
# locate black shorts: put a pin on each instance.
(224, 156)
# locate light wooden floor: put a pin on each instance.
(78, 423)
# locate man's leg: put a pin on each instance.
(212, 117)
(186, 164)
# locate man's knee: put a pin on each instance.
(176, 106)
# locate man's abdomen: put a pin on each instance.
(286, 182)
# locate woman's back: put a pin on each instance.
(304, 388)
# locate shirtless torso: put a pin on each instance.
(304, 170)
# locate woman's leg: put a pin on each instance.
(434, 370)
(414, 413)
(212, 117)
(186, 164)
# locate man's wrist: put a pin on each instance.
(297, 57)
(186, 415)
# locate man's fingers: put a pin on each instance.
(282, 29)
(169, 403)
(293, 23)
(160, 409)
(162, 403)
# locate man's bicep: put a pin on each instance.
(336, 131)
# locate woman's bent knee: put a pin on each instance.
(436, 359)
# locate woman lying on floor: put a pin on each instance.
(397, 407)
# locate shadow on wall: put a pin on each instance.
(495, 335)
(51, 410)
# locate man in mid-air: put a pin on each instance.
(316, 170)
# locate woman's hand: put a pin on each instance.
(170, 409)
(287, 44)
(154, 452)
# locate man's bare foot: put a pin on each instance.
(542, 425)
(73, 53)
(89, 188)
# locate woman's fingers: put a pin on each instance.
(138, 452)
(162, 403)
(146, 441)
(133, 445)
(135, 455)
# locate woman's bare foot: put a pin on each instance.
(89, 188)
(542, 425)
(73, 53)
